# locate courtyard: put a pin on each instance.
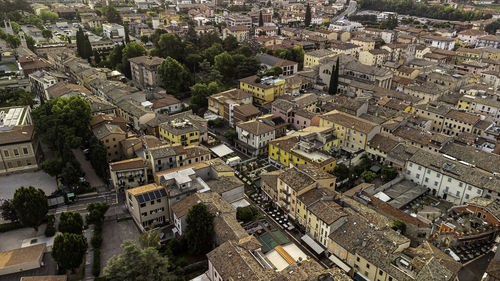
(38, 179)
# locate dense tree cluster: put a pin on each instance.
(63, 124)
(421, 9)
(296, 54)
(16, 97)
(83, 47)
(30, 205)
(492, 27)
(199, 231)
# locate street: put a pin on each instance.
(349, 11)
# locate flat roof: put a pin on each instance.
(221, 150)
(21, 255)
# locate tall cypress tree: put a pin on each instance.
(307, 19)
(331, 87)
(79, 42)
(261, 19)
(336, 77)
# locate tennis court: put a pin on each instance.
(270, 240)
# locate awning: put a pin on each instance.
(359, 277)
(311, 243)
(221, 150)
(382, 196)
(340, 263)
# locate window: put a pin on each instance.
(144, 214)
(436, 183)
(143, 205)
(420, 168)
(417, 176)
(380, 272)
(460, 184)
(449, 179)
(426, 179)
(411, 164)
(428, 171)
(479, 191)
(25, 150)
(469, 187)
(368, 265)
(458, 193)
(16, 152)
(438, 175)
(6, 153)
(466, 196)
(357, 259)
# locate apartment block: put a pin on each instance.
(128, 173)
(264, 90)
(148, 205)
(144, 71)
(184, 128)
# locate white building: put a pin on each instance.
(254, 137)
(113, 30)
(453, 180)
(440, 42)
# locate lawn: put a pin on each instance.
(10, 66)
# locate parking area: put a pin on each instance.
(14, 239)
(90, 175)
(114, 233)
(38, 179)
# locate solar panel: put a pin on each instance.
(163, 192)
(158, 194)
(139, 198)
(152, 195)
(146, 197)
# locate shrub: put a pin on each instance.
(10, 226)
(96, 240)
(50, 230)
(246, 214)
(368, 176)
(96, 267)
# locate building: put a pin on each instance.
(30, 64)
(22, 259)
(144, 71)
(165, 157)
(296, 181)
(19, 145)
(488, 41)
(480, 105)
(148, 205)
(375, 57)
(128, 173)
(254, 137)
(308, 146)
(288, 67)
(240, 32)
(452, 180)
(234, 106)
(113, 30)
(65, 90)
(184, 128)
(437, 41)
(457, 122)
(353, 133)
(111, 135)
(40, 81)
(166, 104)
(264, 90)
(469, 36)
(319, 214)
(313, 58)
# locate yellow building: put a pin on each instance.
(240, 32)
(264, 90)
(464, 54)
(353, 133)
(148, 205)
(406, 72)
(110, 135)
(373, 57)
(490, 53)
(319, 214)
(19, 149)
(313, 58)
(295, 149)
(184, 128)
(434, 113)
(366, 44)
(128, 173)
(296, 181)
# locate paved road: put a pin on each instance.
(349, 11)
(87, 168)
(89, 258)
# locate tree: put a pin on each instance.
(174, 75)
(331, 87)
(96, 213)
(8, 211)
(225, 65)
(127, 35)
(31, 206)
(261, 19)
(71, 222)
(390, 23)
(336, 78)
(170, 45)
(246, 214)
(199, 229)
(49, 16)
(307, 20)
(47, 34)
(138, 264)
(368, 176)
(112, 15)
(144, 39)
(68, 250)
(230, 43)
(30, 42)
(131, 50)
(492, 27)
(389, 173)
(210, 53)
(275, 71)
(399, 226)
(199, 94)
(191, 35)
(150, 238)
(231, 135)
(98, 157)
(16, 97)
(341, 171)
(13, 40)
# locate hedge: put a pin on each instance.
(10, 226)
(96, 267)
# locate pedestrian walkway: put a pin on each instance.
(90, 175)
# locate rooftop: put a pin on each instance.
(129, 164)
(18, 257)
